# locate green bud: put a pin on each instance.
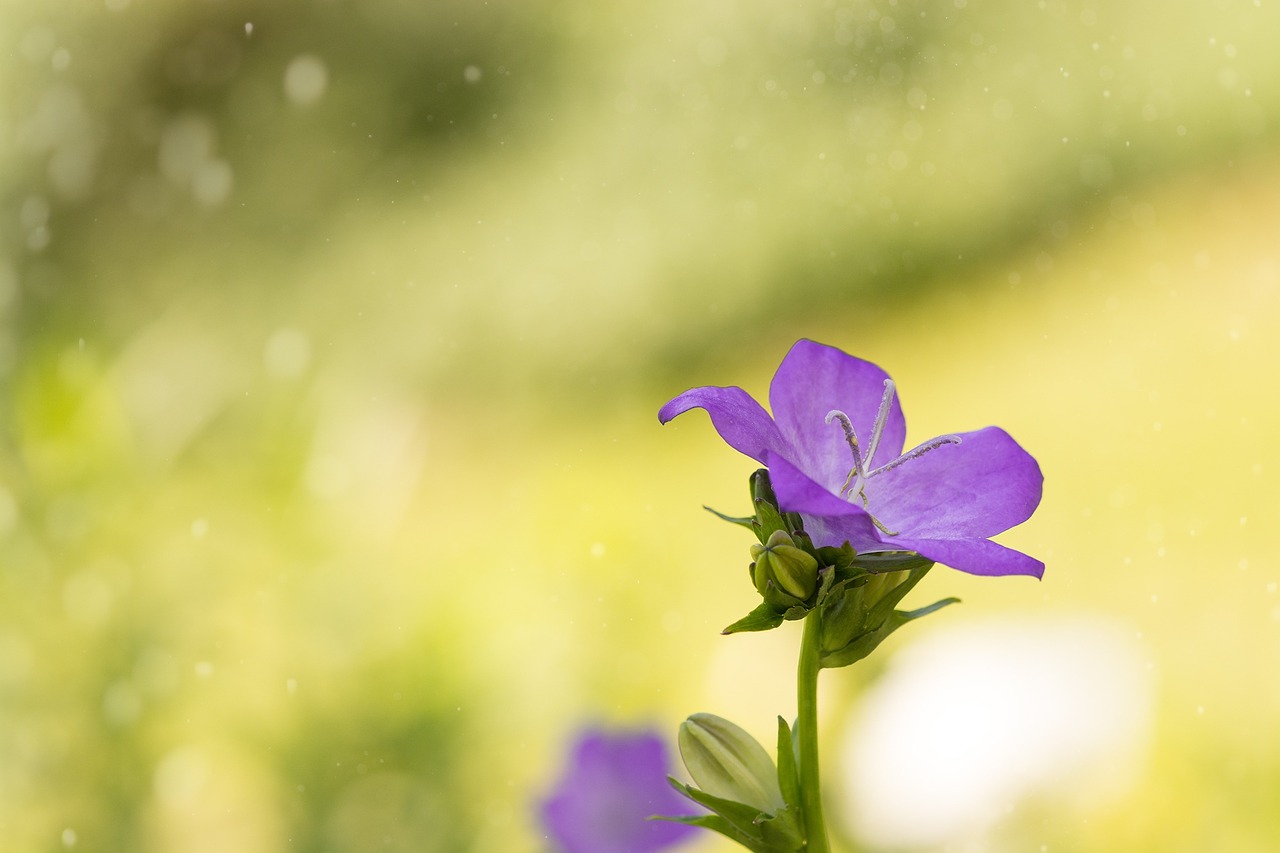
(727, 762)
(844, 617)
(791, 569)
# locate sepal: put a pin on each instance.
(859, 616)
(754, 830)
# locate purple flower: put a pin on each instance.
(614, 782)
(834, 452)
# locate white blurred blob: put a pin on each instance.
(180, 777)
(287, 354)
(306, 79)
(174, 379)
(117, 5)
(87, 599)
(211, 183)
(187, 159)
(34, 213)
(971, 720)
(185, 144)
(472, 74)
(69, 837)
(367, 459)
(62, 128)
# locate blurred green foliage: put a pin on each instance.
(332, 334)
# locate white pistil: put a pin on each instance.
(851, 439)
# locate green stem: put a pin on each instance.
(807, 733)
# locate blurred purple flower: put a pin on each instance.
(833, 448)
(613, 783)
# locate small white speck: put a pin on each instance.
(472, 74)
(248, 28)
(204, 669)
(291, 686)
(199, 528)
(69, 837)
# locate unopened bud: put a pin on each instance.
(727, 762)
(791, 569)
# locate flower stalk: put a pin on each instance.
(807, 733)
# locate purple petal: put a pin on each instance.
(829, 520)
(975, 556)
(814, 379)
(740, 420)
(613, 783)
(972, 490)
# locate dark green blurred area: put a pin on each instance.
(331, 335)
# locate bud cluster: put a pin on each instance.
(855, 594)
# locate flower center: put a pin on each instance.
(855, 485)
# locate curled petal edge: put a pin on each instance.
(737, 417)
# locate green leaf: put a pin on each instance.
(912, 615)
(763, 618)
(864, 645)
(745, 819)
(718, 824)
(744, 521)
(788, 769)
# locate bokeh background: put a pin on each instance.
(332, 334)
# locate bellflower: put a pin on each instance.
(834, 450)
(613, 784)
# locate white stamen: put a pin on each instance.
(882, 416)
(916, 453)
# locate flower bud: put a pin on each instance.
(791, 569)
(727, 762)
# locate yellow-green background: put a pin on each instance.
(332, 495)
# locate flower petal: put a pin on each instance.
(975, 556)
(813, 380)
(740, 420)
(972, 490)
(829, 520)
